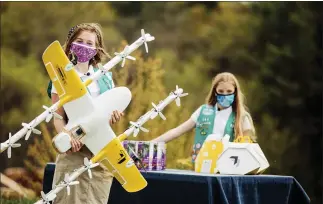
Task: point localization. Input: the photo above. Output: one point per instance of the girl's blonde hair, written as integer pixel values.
(91, 27)
(238, 105)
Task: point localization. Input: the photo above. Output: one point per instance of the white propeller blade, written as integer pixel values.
(11, 145)
(131, 58)
(125, 55)
(178, 100)
(30, 130)
(137, 128)
(67, 183)
(144, 129)
(157, 112)
(47, 199)
(51, 113)
(88, 165)
(162, 115)
(136, 131)
(144, 39)
(178, 93)
(123, 62)
(68, 189)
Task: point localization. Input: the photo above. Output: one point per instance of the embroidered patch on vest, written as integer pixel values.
(207, 111)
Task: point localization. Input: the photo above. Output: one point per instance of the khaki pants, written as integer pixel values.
(88, 191)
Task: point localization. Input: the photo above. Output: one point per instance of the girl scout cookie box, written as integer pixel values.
(152, 155)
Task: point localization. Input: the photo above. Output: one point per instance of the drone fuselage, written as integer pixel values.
(89, 119)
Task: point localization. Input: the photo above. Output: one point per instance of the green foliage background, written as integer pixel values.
(274, 48)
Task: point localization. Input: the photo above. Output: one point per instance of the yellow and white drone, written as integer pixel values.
(88, 118)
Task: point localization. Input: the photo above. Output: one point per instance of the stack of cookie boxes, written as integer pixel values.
(152, 154)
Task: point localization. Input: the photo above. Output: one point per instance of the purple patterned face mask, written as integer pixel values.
(84, 53)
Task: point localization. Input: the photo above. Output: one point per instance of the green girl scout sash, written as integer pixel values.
(204, 127)
(105, 83)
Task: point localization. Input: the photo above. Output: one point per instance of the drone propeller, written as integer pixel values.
(144, 39)
(51, 113)
(101, 68)
(67, 183)
(89, 165)
(30, 130)
(11, 145)
(178, 93)
(125, 55)
(47, 199)
(137, 128)
(156, 112)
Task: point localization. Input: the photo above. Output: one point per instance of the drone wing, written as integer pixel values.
(65, 79)
(106, 147)
(117, 160)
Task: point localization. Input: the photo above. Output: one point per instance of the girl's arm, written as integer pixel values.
(58, 123)
(176, 132)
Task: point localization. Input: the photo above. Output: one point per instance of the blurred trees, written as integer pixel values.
(23, 94)
(29, 27)
(287, 64)
(274, 48)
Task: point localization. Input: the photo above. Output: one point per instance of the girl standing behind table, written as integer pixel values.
(223, 114)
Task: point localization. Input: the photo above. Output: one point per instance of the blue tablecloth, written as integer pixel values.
(180, 186)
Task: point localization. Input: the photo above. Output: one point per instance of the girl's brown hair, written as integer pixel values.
(238, 105)
(91, 27)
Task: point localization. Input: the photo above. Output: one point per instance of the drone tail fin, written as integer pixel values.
(62, 73)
